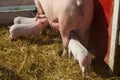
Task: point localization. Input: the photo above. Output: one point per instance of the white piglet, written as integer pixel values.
(18, 30)
(26, 20)
(23, 20)
(80, 53)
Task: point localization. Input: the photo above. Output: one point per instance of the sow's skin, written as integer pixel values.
(35, 28)
(68, 15)
(80, 53)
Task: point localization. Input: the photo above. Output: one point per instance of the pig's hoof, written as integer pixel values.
(11, 38)
(63, 55)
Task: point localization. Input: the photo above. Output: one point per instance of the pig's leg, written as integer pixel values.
(88, 64)
(65, 39)
(69, 52)
(39, 7)
(64, 34)
(36, 35)
(81, 63)
(88, 67)
(11, 37)
(65, 29)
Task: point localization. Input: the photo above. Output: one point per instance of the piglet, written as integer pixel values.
(23, 20)
(26, 20)
(80, 53)
(34, 28)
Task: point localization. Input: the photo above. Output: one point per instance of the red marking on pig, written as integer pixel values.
(41, 24)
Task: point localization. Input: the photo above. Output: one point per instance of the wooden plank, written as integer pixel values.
(7, 17)
(12, 8)
(15, 2)
(114, 34)
(16, 8)
(119, 38)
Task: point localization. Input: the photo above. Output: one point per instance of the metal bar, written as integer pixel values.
(16, 8)
(114, 34)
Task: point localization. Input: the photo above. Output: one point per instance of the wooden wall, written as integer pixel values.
(104, 33)
(7, 16)
(15, 2)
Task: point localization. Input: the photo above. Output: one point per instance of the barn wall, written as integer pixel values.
(9, 9)
(15, 2)
(117, 56)
(100, 31)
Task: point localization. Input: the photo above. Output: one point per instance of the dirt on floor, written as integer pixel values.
(27, 59)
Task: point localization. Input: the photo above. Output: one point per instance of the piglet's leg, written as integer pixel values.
(82, 68)
(69, 52)
(88, 67)
(36, 35)
(11, 37)
(89, 61)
